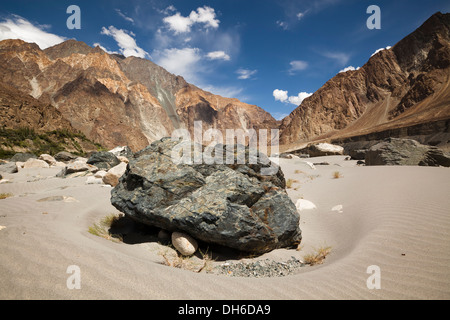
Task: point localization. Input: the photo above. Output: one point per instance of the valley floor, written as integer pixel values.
(391, 220)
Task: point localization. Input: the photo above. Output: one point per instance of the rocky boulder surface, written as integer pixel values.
(405, 152)
(103, 160)
(233, 205)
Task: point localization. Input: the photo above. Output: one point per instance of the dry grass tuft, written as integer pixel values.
(337, 175)
(289, 183)
(317, 257)
(5, 195)
(102, 228)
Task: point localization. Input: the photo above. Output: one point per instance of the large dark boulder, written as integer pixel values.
(103, 160)
(406, 152)
(234, 205)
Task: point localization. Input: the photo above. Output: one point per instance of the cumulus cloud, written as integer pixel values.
(349, 68)
(245, 73)
(381, 49)
(218, 55)
(182, 62)
(298, 99)
(282, 96)
(125, 41)
(297, 65)
(203, 15)
(17, 27)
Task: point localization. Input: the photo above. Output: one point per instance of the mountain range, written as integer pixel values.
(115, 101)
(402, 87)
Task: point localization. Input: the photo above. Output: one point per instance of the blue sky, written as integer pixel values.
(264, 52)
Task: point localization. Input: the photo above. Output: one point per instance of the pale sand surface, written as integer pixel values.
(397, 218)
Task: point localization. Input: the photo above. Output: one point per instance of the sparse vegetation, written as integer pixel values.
(289, 183)
(102, 228)
(337, 175)
(5, 195)
(317, 257)
(50, 142)
(192, 263)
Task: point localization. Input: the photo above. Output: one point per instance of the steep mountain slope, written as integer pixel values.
(116, 100)
(400, 87)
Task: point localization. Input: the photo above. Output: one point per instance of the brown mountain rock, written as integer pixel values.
(400, 87)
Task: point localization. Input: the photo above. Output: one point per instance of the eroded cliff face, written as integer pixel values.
(116, 100)
(403, 86)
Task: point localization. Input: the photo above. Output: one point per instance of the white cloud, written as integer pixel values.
(340, 57)
(124, 16)
(178, 23)
(245, 73)
(283, 24)
(17, 27)
(203, 15)
(182, 62)
(282, 96)
(218, 55)
(298, 99)
(104, 49)
(381, 49)
(297, 65)
(300, 15)
(349, 68)
(125, 41)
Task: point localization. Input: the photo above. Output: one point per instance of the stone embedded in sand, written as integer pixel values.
(35, 163)
(233, 205)
(338, 208)
(184, 243)
(303, 204)
(58, 198)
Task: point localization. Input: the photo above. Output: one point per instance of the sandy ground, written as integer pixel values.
(394, 218)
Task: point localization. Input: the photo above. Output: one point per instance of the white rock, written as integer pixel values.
(48, 158)
(100, 174)
(326, 147)
(2, 227)
(310, 164)
(113, 175)
(303, 204)
(35, 163)
(94, 180)
(339, 208)
(123, 159)
(185, 244)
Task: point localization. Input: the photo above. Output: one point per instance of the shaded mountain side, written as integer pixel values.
(116, 100)
(27, 125)
(400, 87)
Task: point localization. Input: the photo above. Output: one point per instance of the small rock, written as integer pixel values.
(94, 180)
(113, 175)
(185, 244)
(65, 156)
(303, 204)
(100, 174)
(103, 160)
(2, 227)
(35, 163)
(48, 158)
(338, 208)
(22, 157)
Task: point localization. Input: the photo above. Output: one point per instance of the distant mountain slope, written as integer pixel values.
(400, 87)
(116, 100)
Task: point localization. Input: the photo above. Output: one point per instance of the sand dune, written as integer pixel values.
(396, 218)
